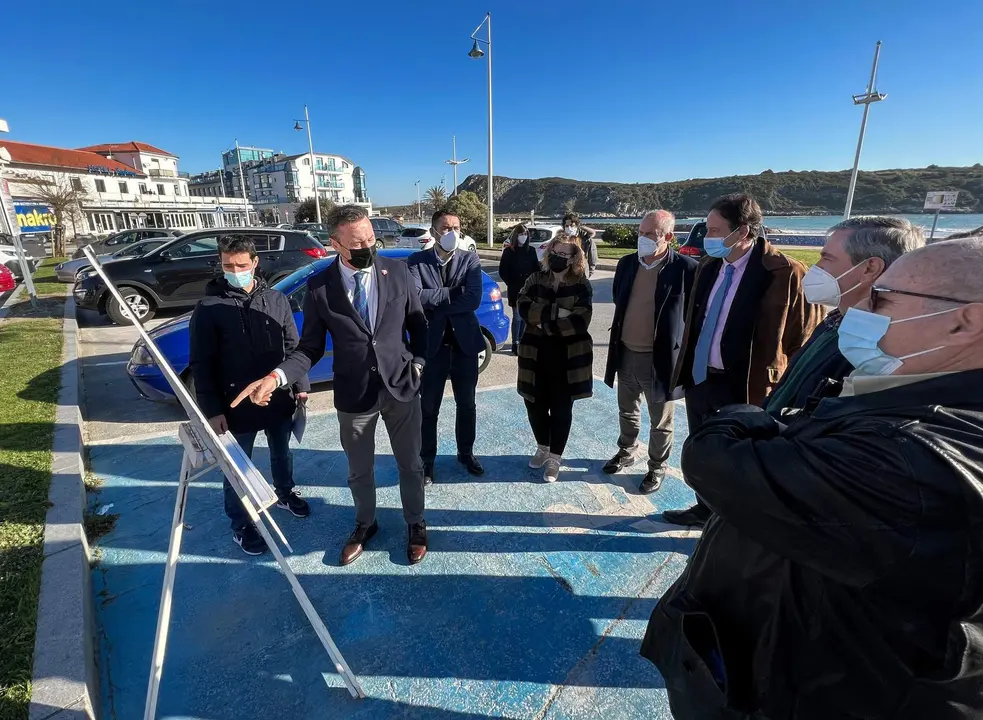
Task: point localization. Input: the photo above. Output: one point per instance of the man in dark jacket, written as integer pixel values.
(371, 308)
(449, 283)
(841, 575)
(651, 288)
(572, 227)
(519, 260)
(243, 329)
(856, 253)
(747, 316)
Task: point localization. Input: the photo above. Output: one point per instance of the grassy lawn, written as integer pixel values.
(804, 255)
(30, 354)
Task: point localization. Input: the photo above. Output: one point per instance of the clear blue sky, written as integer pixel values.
(623, 90)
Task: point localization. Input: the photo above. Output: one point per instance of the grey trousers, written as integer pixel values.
(634, 381)
(402, 420)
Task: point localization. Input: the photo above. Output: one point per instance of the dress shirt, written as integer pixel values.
(739, 266)
(440, 260)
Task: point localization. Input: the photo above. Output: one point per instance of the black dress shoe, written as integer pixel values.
(356, 542)
(471, 463)
(515, 348)
(652, 481)
(622, 459)
(695, 516)
(428, 473)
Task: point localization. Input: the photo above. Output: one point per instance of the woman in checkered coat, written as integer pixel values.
(556, 355)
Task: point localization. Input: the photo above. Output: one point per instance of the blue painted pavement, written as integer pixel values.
(531, 603)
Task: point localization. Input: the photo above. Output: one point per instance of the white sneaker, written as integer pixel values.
(552, 472)
(539, 459)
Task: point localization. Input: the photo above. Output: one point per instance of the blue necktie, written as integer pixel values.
(701, 357)
(360, 300)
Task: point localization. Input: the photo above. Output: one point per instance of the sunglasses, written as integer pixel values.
(878, 291)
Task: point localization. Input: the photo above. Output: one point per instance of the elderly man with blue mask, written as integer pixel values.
(842, 572)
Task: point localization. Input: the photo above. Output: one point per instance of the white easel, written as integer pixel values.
(204, 451)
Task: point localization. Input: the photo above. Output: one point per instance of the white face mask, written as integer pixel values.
(859, 336)
(646, 246)
(823, 289)
(571, 230)
(448, 241)
(523, 239)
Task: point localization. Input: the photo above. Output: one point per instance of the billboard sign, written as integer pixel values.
(941, 200)
(34, 218)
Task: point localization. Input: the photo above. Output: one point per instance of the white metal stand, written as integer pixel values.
(197, 462)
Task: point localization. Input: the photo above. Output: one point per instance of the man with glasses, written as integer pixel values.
(856, 254)
(841, 572)
(651, 288)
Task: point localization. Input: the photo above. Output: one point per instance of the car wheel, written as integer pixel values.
(14, 268)
(485, 356)
(472, 248)
(380, 244)
(140, 305)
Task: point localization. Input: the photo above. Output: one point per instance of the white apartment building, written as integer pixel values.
(277, 185)
(125, 185)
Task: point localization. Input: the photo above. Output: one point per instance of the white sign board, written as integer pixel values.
(941, 200)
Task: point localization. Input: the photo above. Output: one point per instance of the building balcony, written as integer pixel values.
(161, 172)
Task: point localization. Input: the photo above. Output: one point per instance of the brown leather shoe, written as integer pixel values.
(416, 547)
(356, 542)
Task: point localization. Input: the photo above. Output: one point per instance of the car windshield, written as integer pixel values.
(537, 235)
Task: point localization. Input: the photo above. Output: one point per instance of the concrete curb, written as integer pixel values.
(65, 684)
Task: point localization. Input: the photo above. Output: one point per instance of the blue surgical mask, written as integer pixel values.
(859, 333)
(717, 246)
(239, 279)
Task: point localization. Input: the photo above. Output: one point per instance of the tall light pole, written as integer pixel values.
(868, 98)
(476, 52)
(242, 183)
(310, 143)
(419, 211)
(454, 161)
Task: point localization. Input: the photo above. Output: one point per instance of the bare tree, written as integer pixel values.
(65, 202)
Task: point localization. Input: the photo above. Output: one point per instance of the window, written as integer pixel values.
(297, 298)
(76, 184)
(177, 189)
(195, 248)
(123, 189)
(307, 161)
(267, 243)
(160, 189)
(100, 185)
(143, 188)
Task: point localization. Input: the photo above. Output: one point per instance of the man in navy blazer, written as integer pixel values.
(369, 305)
(449, 283)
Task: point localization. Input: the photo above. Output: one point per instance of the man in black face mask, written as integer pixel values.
(366, 302)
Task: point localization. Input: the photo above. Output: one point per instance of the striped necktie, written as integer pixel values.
(360, 299)
(701, 357)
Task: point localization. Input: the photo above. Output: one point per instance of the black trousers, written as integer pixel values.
(705, 399)
(550, 420)
(463, 373)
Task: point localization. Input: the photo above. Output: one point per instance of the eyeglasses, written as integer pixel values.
(877, 291)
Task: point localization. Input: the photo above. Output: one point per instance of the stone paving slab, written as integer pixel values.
(531, 603)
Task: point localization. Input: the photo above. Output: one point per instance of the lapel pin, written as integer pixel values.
(385, 272)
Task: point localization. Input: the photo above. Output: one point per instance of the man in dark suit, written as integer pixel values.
(747, 316)
(449, 283)
(368, 304)
(651, 288)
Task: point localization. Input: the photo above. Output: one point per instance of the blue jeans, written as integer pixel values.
(518, 326)
(281, 466)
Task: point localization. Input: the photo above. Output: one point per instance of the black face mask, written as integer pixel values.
(558, 263)
(362, 257)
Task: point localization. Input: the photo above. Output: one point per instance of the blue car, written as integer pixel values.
(174, 341)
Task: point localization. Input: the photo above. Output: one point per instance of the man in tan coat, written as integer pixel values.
(747, 316)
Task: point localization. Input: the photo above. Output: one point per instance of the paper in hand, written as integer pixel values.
(300, 420)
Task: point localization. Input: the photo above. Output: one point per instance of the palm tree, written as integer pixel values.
(436, 197)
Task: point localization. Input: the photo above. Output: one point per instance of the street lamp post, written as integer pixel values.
(476, 52)
(419, 210)
(310, 143)
(454, 161)
(868, 98)
(242, 184)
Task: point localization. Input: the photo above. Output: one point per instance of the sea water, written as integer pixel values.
(820, 223)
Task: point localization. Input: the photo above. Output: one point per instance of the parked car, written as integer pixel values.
(387, 231)
(126, 237)
(317, 230)
(72, 270)
(416, 238)
(692, 245)
(175, 274)
(539, 235)
(7, 281)
(174, 341)
(8, 259)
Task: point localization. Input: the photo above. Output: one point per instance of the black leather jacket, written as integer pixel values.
(842, 576)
